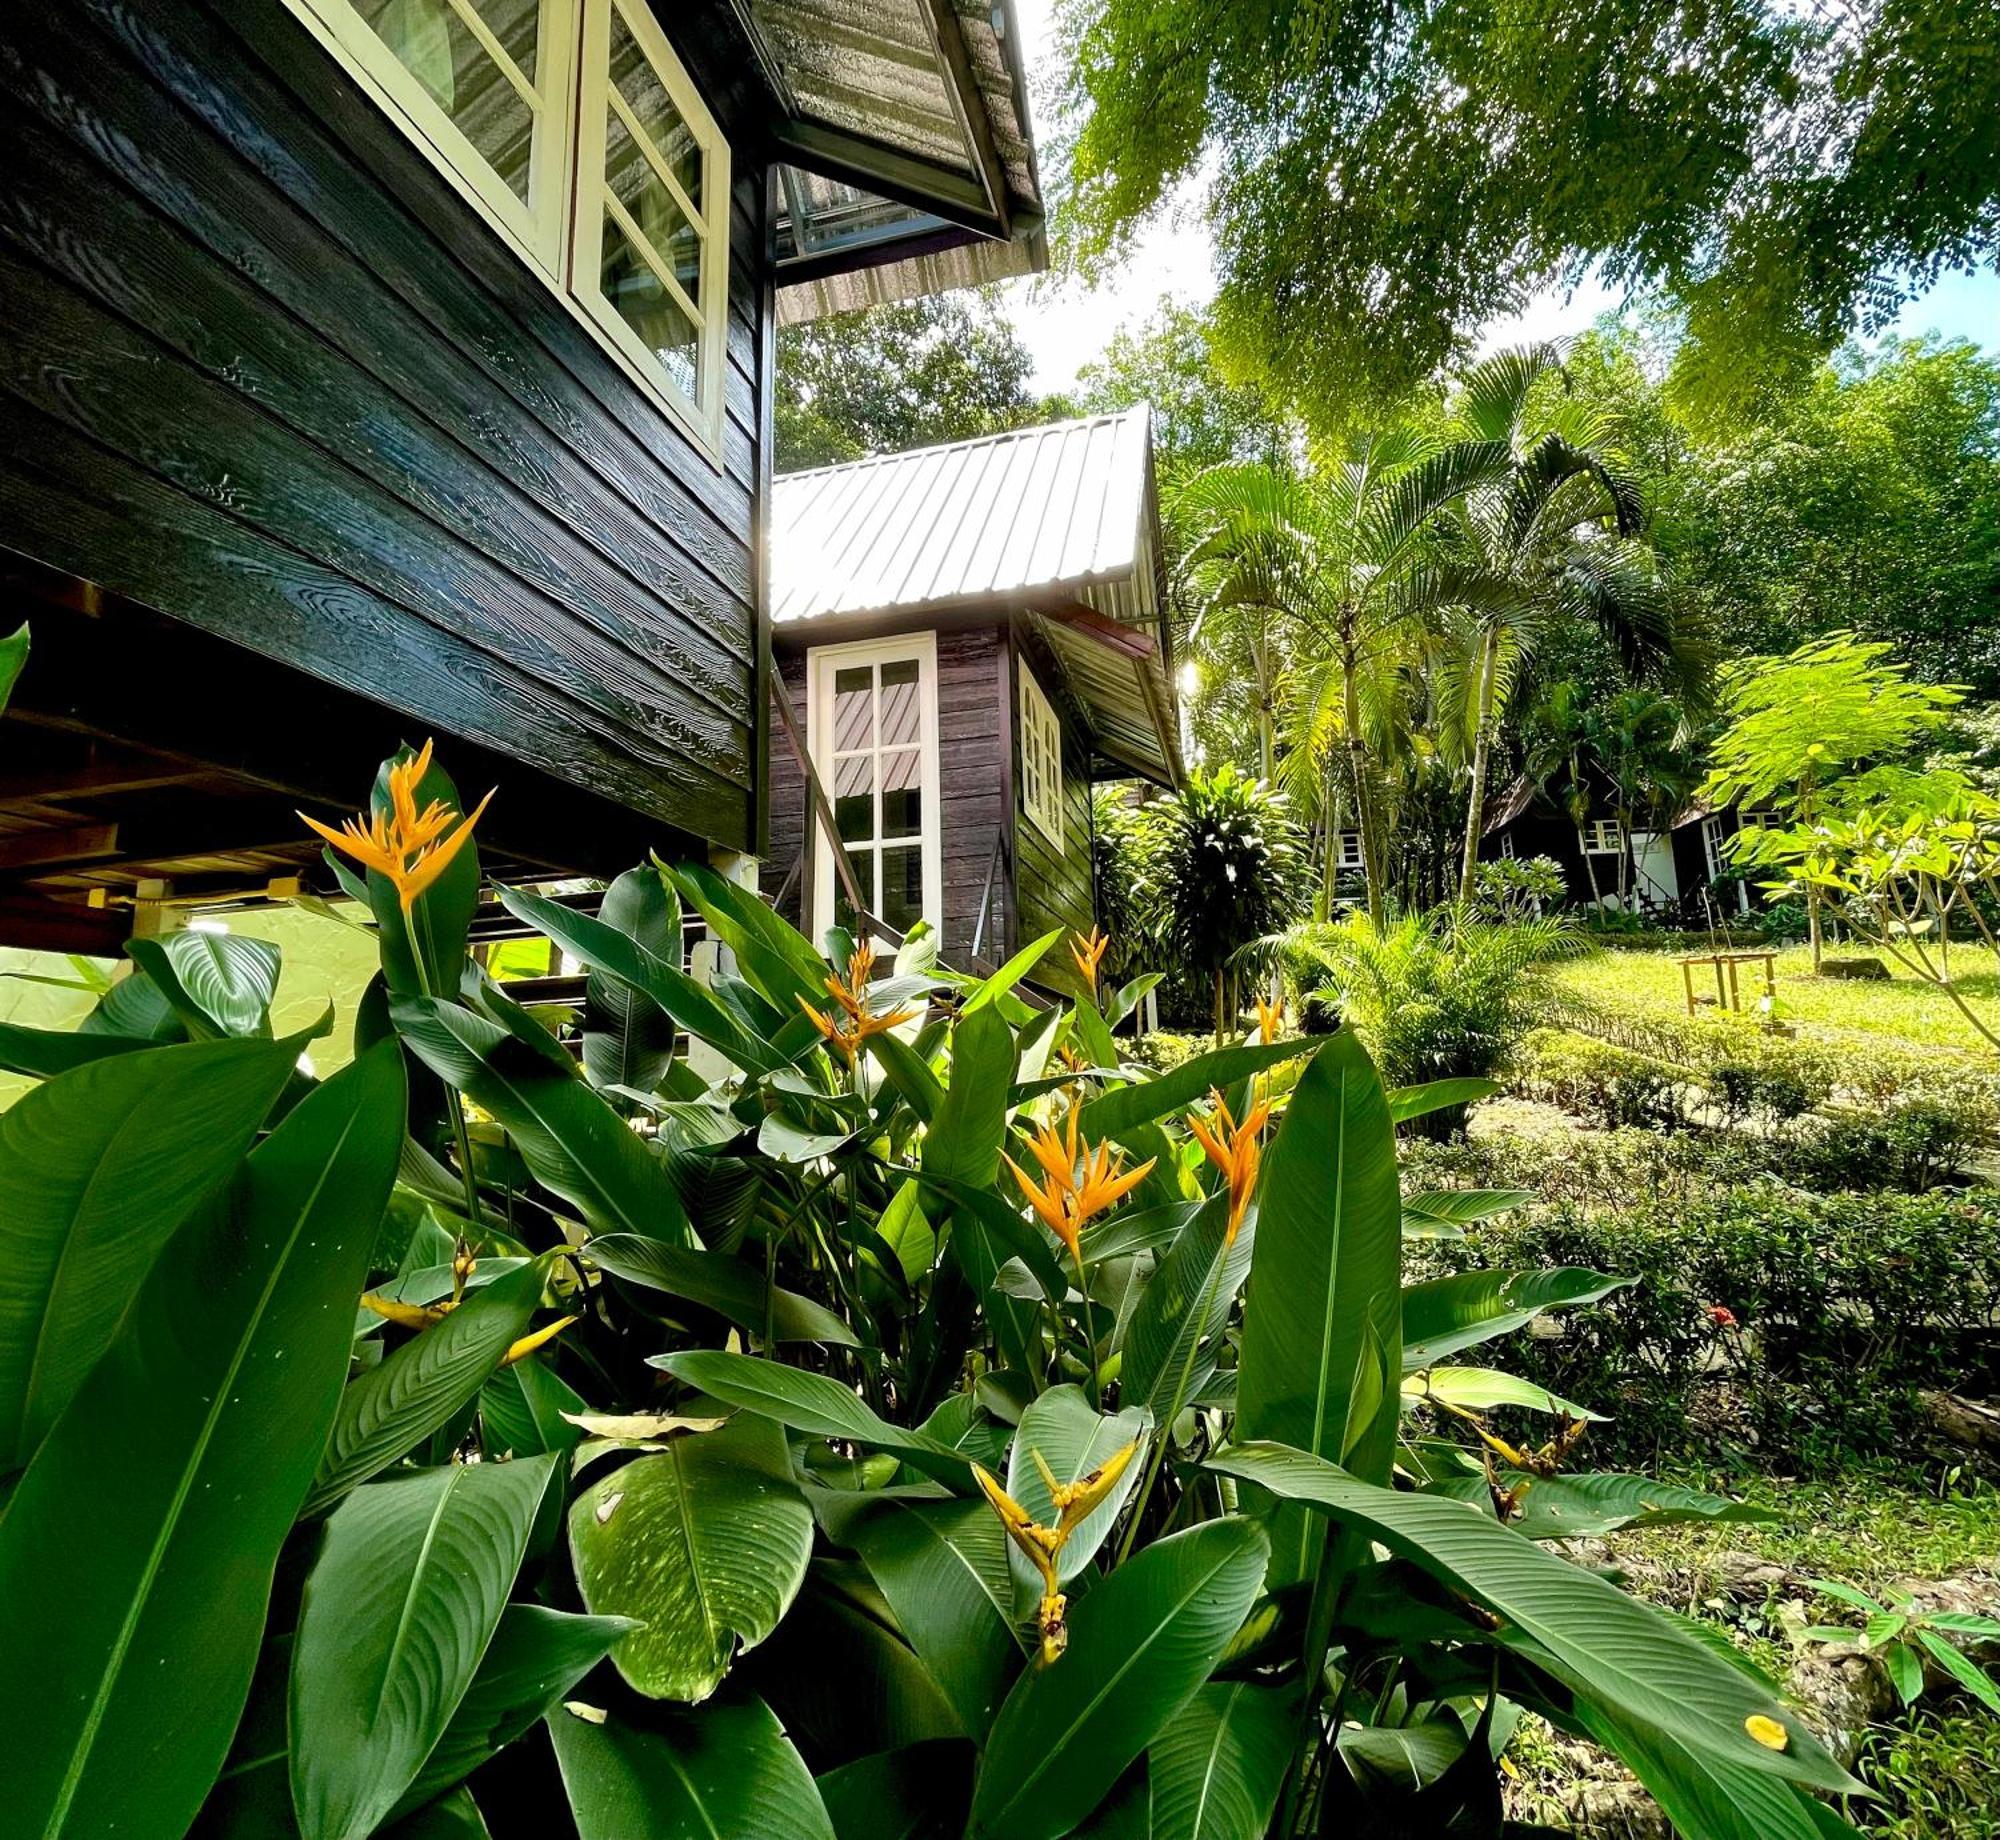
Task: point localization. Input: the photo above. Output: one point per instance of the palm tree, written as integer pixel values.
(1643, 746)
(1562, 758)
(1554, 533)
(1335, 566)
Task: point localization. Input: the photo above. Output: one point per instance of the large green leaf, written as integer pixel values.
(778, 960)
(1320, 1326)
(628, 1038)
(1112, 1114)
(720, 1283)
(134, 1009)
(942, 1566)
(451, 1817)
(1443, 1315)
(1599, 1640)
(705, 1543)
(521, 1412)
(1140, 1642)
(13, 658)
(571, 1140)
(535, 1658)
(1408, 1102)
(1461, 1207)
(137, 1553)
(1219, 1763)
(993, 988)
(1184, 1308)
(391, 1407)
(727, 1772)
(1584, 1506)
(97, 1169)
(963, 1142)
(217, 983)
(408, 1586)
(43, 1053)
(918, 1792)
(1073, 1438)
(614, 949)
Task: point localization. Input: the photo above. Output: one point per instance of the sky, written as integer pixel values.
(1065, 326)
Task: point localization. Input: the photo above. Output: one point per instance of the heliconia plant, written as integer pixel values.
(917, 1422)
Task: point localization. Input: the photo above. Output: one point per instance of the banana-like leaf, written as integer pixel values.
(521, 1412)
(97, 1169)
(1112, 1114)
(1324, 1283)
(1707, 1798)
(571, 1140)
(1184, 1309)
(41, 1054)
(1408, 1102)
(1464, 1207)
(410, 1580)
(1141, 1641)
(777, 959)
(704, 1543)
(137, 1553)
(451, 1817)
(13, 659)
(1073, 1438)
(1218, 1764)
(535, 1658)
(1597, 1639)
(615, 951)
(992, 989)
(1443, 1315)
(942, 1566)
(720, 1283)
(725, 1773)
(963, 1142)
(1480, 1389)
(917, 1792)
(134, 1009)
(628, 1038)
(1599, 1502)
(388, 1409)
(217, 983)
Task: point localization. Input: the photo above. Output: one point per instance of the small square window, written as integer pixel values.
(1041, 762)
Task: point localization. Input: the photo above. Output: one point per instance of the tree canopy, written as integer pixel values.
(1384, 179)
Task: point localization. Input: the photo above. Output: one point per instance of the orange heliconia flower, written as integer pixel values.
(1089, 954)
(1270, 1019)
(1065, 1201)
(411, 847)
(1233, 1148)
(851, 1024)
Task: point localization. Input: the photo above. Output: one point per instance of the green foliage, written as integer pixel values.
(1904, 1635)
(13, 660)
(282, 1564)
(1762, 169)
(888, 378)
(1511, 888)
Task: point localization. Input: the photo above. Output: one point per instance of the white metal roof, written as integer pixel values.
(1042, 509)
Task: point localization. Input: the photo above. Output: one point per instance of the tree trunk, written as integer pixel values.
(1267, 756)
(1218, 1005)
(1357, 760)
(1590, 875)
(1475, 804)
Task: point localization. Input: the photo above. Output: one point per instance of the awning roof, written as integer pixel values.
(907, 160)
(1057, 523)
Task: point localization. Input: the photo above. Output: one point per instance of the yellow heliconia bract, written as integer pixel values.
(411, 847)
(1235, 1149)
(540, 1338)
(852, 1024)
(1063, 1200)
(1089, 951)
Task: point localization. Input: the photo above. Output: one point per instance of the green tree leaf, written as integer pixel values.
(705, 1543)
(97, 1169)
(403, 1598)
(917, 1792)
(726, 1772)
(571, 1140)
(1219, 1762)
(216, 983)
(1170, 1325)
(1443, 1315)
(1623, 1653)
(1140, 1642)
(137, 1553)
(1073, 1438)
(1112, 1114)
(387, 1409)
(721, 1283)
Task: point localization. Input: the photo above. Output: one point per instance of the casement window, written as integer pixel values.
(1041, 762)
(1601, 837)
(872, 732)
(1712, 838)
(573, 129)
(1348, 851)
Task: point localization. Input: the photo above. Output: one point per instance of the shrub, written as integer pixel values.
(1804, 1326)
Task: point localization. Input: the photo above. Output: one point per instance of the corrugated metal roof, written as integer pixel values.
(1031, 512)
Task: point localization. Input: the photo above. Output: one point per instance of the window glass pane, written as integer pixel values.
(661, 221)
(645, 305)
(903, 809)
(441, 51)
(900, 718)
(863, 863)
(902, 887)
(853, 699)
(649, 102)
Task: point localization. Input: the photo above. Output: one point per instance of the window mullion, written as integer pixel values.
(495, 50)
(651, 257)
(657, 161)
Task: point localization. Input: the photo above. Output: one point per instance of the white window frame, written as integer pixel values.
(1347, 853)
(1601, 837)
(558, 232)
(1041, 761)
(823, 664)
(1712, 839)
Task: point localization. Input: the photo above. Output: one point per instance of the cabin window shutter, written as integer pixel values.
(1041, 762)
(574, 131)
(1601, 837)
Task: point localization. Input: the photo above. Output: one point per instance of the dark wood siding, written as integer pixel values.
(265, 371)
(972, 689)
(1055, 887)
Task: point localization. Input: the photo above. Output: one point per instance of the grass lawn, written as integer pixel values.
(1912, 1012)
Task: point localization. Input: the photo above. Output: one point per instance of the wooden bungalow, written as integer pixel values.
(379, 368)
(968, 637)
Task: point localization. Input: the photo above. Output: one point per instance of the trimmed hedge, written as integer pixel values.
(1799, 1327)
